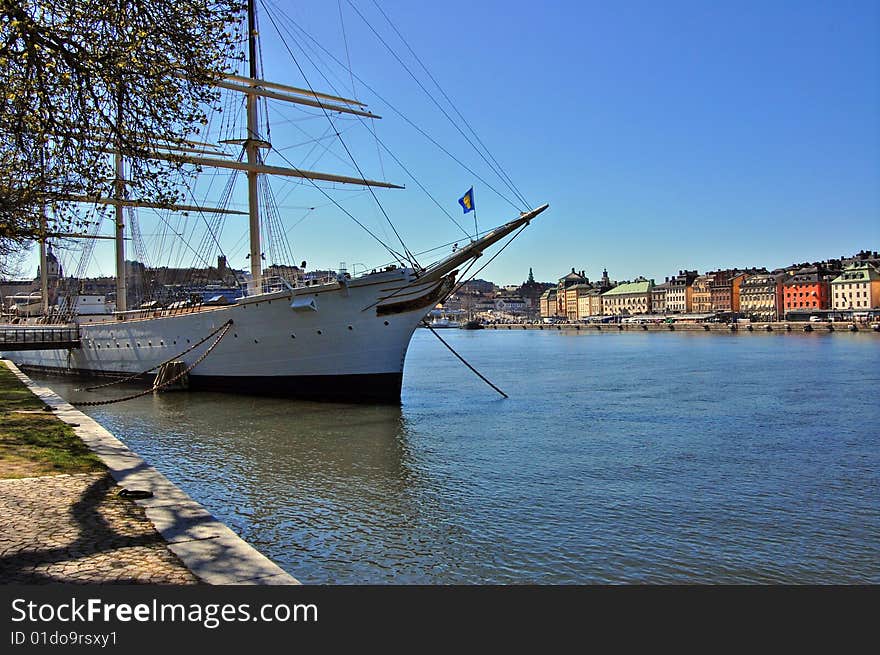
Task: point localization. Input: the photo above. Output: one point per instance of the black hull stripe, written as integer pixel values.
(379, 388)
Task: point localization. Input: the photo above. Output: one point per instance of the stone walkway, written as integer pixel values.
(76, 529)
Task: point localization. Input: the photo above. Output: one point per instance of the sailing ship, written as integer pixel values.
(344, 337)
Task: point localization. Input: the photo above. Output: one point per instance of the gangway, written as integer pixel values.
(38, 337)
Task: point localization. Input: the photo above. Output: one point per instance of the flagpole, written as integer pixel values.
(474, 205)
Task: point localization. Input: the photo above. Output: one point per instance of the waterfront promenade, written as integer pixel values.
(110, 519)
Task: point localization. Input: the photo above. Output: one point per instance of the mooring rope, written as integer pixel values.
(94, 403)
(463, 361)
(177, 356)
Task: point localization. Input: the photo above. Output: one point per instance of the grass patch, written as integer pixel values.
(14, 395)
(36, 444)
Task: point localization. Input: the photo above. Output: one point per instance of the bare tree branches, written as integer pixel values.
(81, 78)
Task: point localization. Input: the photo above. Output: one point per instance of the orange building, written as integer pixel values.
(725, 289)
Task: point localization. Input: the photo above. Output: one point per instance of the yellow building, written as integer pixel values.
(857, 288)
(628, 299)
(701, 294)
(679, 296)
(547, 303)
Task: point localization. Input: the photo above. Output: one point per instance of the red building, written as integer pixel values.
(809, 288)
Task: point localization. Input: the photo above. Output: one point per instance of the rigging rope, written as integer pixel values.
(409, 256)
(388, 103)
(500, 172)
(463, 360)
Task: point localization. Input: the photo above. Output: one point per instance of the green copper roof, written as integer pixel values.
(629, 287)
(857, 273)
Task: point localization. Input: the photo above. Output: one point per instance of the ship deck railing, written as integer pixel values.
(38, 337)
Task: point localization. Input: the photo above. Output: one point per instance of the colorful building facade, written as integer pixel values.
(856, 288)
(679, 296)
(808, 288)
(628, 299)
(760, 296)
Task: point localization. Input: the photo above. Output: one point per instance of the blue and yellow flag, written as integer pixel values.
(467, 201)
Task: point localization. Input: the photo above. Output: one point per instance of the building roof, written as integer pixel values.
(643, 286)
(810, 275)
(549, 293)
(857, 273)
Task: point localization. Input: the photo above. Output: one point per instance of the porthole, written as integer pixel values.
(350, 328)
(255, 341)
(293, 336)
(386, 322)
(233, 334)
(319, 332)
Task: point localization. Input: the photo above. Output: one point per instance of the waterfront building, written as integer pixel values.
(725, 289)
(701, 294)
(574, 297)
(628, 298)
(679, 296)
(594, 299)
(484, 306)
(571, 302)
(760, 296)
(857, 288)
(808, 288)
(565, 302)
(562, 298)
(547, 303)
(511, 305)
(583, 303)
(658, 297)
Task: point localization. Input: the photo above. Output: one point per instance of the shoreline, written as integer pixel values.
(779, 327)
(211, 551)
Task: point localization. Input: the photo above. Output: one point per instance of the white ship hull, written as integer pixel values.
(344, 340)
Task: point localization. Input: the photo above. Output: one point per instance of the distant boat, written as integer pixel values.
(473, 325)
(444, 322)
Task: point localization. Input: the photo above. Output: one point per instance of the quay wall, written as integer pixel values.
(210, 549)
(819, 327)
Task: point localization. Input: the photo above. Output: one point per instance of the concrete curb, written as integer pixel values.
(207, 547)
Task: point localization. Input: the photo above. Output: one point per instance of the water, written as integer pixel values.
(630, 457)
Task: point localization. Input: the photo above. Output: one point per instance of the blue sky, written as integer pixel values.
(664, 135)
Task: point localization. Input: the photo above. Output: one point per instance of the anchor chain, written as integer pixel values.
(167, 361)
(94, 403)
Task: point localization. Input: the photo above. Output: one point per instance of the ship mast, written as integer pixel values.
(44, 261)
(252, 148)
(121, 291)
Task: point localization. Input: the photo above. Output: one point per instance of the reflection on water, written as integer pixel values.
(618, 458)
